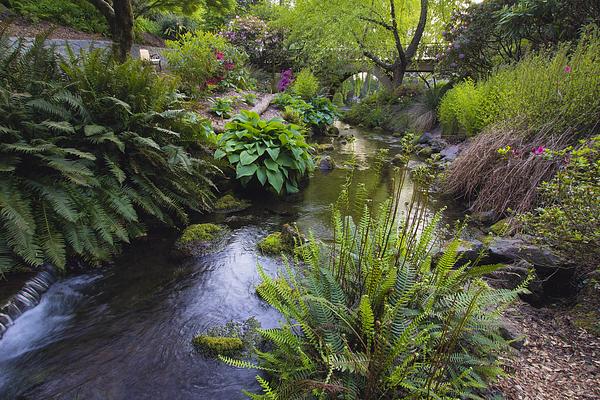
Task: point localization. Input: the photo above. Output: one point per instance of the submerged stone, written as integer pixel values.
(326, 163)
(216, 345)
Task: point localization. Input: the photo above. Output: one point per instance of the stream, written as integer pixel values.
(125, 332)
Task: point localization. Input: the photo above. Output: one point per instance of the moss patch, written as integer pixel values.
(200, 233)
(501, 228)
(229, 203)
(273, 244)
(214, 345)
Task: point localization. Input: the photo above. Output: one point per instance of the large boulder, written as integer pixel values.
(450, 153)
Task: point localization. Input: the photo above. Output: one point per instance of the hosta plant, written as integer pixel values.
(373, 316)
(268, 152)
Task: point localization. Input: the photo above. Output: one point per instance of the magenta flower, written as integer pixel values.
(220, 56)
(229, 66)
(568, 69)
(538, 150)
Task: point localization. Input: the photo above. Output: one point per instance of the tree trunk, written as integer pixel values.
(119, 16)
(122, 29)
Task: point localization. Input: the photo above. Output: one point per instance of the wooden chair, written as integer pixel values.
(153, 59)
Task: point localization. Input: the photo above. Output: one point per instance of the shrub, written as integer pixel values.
(87, 152)
(318, 113)
(568, 218)
(373, 318)
(267, 152)
(78, 14)
(561, 89)
(306, 85)
(171, 26)
(250, 99)
(263, 43)
(143, 25)
(203, 60)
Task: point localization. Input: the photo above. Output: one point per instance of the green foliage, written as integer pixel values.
(78, 14)
(382, 110)
(204, 60)
(267, 152)
(568, 218)
(143, 25)
(250, 99)
(561, 89)
(222, 107)
(338, 99)
(306, 85)
(372, 317)
(171, 25)
(87, 152)
(319, 113)
(200, 233)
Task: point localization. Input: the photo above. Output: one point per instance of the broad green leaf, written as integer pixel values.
(247, 158)
(245, 170)
(275, 180)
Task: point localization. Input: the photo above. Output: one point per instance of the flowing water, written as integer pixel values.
(125, 332)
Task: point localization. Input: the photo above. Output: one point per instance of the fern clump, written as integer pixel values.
(88, 155)
(373, 317)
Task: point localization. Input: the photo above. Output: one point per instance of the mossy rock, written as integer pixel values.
(216, 345)
(229, 203)
(274, 244)
(502, 227)
(198, 239)
(324, 147)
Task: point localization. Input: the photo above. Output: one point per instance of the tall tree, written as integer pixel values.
(385, 34)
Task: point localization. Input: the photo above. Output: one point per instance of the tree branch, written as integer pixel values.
(377, 22)
(399, 46)
(105, 9)
(412, 48)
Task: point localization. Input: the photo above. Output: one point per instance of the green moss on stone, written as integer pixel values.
(218, 345)
(501, 228)
(200, 233)
(229, 203)
(273, 244)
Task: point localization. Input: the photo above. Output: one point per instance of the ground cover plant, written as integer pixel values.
(317, 114)
(270, 153)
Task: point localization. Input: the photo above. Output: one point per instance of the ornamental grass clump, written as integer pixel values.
(372, 316)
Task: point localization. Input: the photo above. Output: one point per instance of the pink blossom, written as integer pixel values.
(229, 66)
(538, 150)
(220, 56)
(568, 69)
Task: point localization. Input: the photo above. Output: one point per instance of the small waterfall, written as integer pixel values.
(28, 297)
